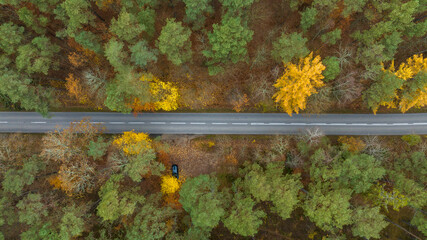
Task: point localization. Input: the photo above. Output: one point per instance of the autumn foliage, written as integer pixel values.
(170, 188)
(163, 95)
(133, 143)
(353, 144)
(407, 71)
(68, 148)
(298, 82)
(75, 89)
(170, 184)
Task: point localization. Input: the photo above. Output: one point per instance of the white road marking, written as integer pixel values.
(197, 123)
(338, 124)
(38, 122)
(136, 122)
(298, 123)
(257, 123)
(219, 123)
(379, 124)
(277, 124)
(98, 122)
(178, 123)
(116, 122)
(359, 124)
(3, 122)
(419, 123)
(157, 122)
(239, 123)
(399, 124)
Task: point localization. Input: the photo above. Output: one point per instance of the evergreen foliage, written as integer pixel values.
(235, 7)
(332, 69)
(115, 54)
(289, 47)
(419, 220)
(383, 91)
(331, 37)
(89, 40)
(151, 221)
(199, 197)
(243, 220)
(368, 222)
(75, 14)
(147, 18)
(19, 89)
(271, 185)
(174, 41)
(195, 11)
(126, 26)
(37, 56)
(72, 223)
(308, 18)
(97, 149)
(119, 93)
(142, 164)
(141, 54)
(328, 208)
(228, 43)
(11, 37)
(16, 179)
(115, 203)
(28, 17)
(31, 209)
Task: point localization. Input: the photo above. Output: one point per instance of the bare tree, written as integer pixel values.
(312, 135)
(374, 148)
(344, 54)
(347, 89)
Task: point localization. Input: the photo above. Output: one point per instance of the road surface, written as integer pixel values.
(222, 123)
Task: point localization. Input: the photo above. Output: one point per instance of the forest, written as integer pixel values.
(135, 56)
(313, 56)
(79, 183)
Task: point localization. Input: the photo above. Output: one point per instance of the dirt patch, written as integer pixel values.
(191, 161)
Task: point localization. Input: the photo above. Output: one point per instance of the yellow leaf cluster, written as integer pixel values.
(165, 94)
(409, 69)
(406, 71)
(133, 143)
(353, 144)
(385, 198)
(298, 82)
(170, 184)
(75, 89)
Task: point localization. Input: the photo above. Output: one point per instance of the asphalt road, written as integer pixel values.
(222, 123)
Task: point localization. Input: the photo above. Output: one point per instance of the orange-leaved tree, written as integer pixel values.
(75, 89)
(298, 82)
(413, 92)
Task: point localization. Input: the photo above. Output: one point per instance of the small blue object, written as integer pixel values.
(175, 171)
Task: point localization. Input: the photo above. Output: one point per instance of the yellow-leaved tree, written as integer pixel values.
(170, 184)
(132, 143)
(137, 157)
(163, 96)
(298, 82)
(413, 92)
